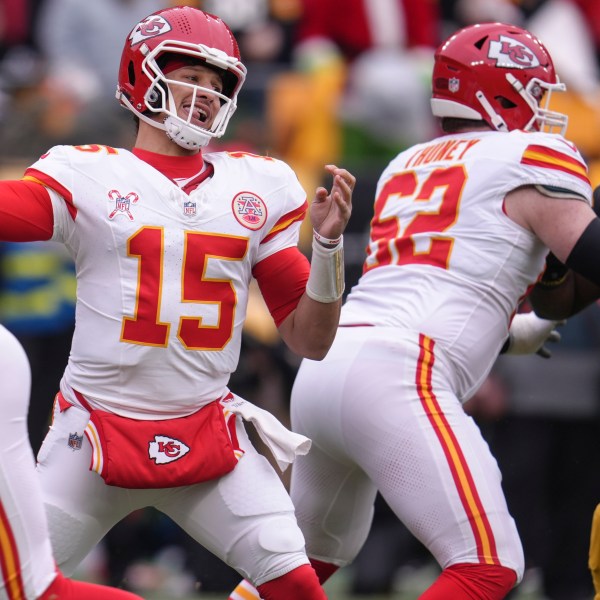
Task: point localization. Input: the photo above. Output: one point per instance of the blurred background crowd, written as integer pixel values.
(342, 81)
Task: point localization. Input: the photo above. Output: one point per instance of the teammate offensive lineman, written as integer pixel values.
(166, 240)
(27, 568)
(460, 232)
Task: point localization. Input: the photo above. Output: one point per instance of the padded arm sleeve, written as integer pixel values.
(25, 212)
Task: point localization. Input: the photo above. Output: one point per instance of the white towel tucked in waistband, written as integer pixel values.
(284, 444)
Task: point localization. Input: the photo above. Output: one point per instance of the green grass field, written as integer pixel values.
(164, 578)
(409, 588)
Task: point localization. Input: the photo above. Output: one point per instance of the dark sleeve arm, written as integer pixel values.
(584, 258)
(25, 212)
(566, 289)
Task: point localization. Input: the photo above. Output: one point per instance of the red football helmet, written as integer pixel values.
(499, 73)
(192, 35)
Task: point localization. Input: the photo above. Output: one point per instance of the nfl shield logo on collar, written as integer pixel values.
(189, 208)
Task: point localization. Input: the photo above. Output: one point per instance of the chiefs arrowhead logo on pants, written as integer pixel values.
(165, 449)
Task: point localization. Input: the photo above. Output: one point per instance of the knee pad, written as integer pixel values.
(281, 534)
(268, 549)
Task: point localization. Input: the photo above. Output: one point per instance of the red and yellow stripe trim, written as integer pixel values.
(45, 179)
(10, 565)
(541, 156)
(463, 479)
(286, 221)
(97, 463)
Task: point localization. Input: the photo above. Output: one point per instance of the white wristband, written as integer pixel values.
(326, 241)
(326, 279)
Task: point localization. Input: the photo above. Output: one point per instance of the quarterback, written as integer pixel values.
(460, 232)
(166, 239)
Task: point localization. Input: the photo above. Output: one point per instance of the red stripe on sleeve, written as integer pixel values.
(550, 153)
(61, 190)
(287, 220)
(541, 156)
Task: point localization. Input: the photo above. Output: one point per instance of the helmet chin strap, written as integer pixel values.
(497, 121)
(185, 136)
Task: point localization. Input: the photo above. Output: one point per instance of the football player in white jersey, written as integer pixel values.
(27, 567)
(166, 240)
(461, 228)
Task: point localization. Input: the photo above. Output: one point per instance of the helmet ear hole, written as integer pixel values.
(505, 102)
(131, 72)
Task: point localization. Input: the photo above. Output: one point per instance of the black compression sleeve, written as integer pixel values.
(585, 256)
(596, 204)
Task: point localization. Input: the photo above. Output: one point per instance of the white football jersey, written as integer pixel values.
(443, 258)
(163, 276)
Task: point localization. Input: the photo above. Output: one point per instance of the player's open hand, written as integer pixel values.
(330, 211)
